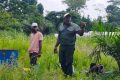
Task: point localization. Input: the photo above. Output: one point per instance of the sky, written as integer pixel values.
(94, 8)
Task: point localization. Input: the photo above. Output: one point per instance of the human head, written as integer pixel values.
(67, 18)
(34, 27)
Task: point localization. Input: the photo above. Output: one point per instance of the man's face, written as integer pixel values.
(34, 29)
(67, 19)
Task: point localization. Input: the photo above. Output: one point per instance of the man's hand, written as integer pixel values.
(38, 55)
(55, 50)
(82, 25)
(29, 50)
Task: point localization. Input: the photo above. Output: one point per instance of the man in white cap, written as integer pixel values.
(66, 40)
(36, 38)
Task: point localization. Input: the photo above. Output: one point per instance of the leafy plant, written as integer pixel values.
(107, 42)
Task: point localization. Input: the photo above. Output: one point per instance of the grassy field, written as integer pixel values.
(49, 67)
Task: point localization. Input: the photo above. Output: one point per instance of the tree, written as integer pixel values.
(7, 22)
(23, 12)
(16, 7)
(1, 1)
(30, 2)
(113, 13)
(19, 8)
(75, 5)
(40, 8)
(44, 25)
(55, 17)
(115, 2)
(4, 3)
(76, 17)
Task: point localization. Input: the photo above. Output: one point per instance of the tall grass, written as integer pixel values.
(49, 67)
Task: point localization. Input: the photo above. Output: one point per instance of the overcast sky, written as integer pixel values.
(94, 8)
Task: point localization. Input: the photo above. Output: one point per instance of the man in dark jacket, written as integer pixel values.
(66, 40)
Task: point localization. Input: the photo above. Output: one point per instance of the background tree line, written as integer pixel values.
(19, 14)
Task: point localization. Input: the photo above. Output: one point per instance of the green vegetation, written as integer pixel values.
(75, 5)
(20, 14)
(49, 67)
(16, 17)
(107, 42)
(113, 13)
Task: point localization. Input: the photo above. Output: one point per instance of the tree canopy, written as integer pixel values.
(21, 13)
(75, 5)
(113, 12)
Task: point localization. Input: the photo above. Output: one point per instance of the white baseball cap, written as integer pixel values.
(67, 14)
(34, 24)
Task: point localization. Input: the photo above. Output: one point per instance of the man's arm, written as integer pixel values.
(81, 32)
(57, 44)
(82, 26)
(40, 48)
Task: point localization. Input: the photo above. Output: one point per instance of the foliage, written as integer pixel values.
(25, 12)
(30, 2)
(115, 2)
(7, 22)
(113, 12)
(76, 17)
(40, 8)
(45, 26)
(107, 43)
(75, 5)
(48, 67)
(55, 17)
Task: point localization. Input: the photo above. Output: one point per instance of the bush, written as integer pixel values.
(7, 22)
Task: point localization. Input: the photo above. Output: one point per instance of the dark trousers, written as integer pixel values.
(66, 59)
(33, 58)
